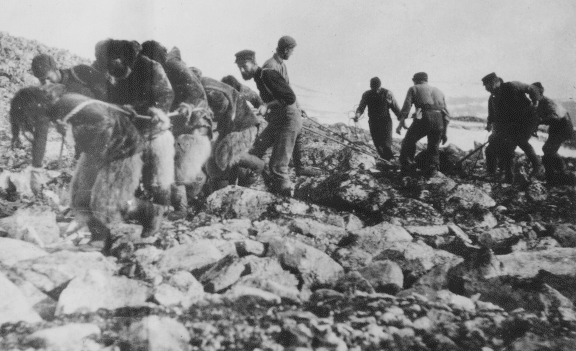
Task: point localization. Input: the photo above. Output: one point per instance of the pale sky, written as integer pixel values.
(341, 44)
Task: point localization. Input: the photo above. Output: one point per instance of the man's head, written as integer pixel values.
(539, 86)
(491, 82)
(45, 69)
(375, 83)
(120, 57)
(246, 61)
(420, 77)
(285, 47)
(154, 51)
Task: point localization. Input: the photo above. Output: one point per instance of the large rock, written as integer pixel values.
(415, 258)
(35, 225)
(67, 337)
(352, 258)
(223, 274)
(565, 234)
(315, 267)
(95, 289)
(223, 230)
(384, 276)
(411, 212)
(189, 257)
(376, 238)
(320, 231)
(472, 195)
(267, 274)
(155, 333)
(239, 202)
(13, 250)
(500, 237)
(558, 261)
(14, 307)
(50, 273)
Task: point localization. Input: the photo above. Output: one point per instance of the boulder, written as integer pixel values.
(374, 239)
(223, 274)
(13, 250)
(36, 225)
(315, 268)
(415, 258)
(238, 202)
(14, 307)
(384, 276)
(189, 257)
(565, 234)
(472, 195)
(167, 295)
(267, 274)
(95, 290)
(411, 212)
(250, 247)
(352, 258)
(67, 337)
(154, 333)
(240, 293)
(437, 188)
(352, 282)
(500, 237)
(306, 226)
(52, 272)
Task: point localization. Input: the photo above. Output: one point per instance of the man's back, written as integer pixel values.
(278, 65)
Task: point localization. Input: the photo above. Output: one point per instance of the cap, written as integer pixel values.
(489, 78)
(42, 64)
(245, 55)
(286, 42)
(420, 76)
(375, 82)
(539, 86)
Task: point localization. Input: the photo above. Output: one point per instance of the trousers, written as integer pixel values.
(431, 125)
(381, 131)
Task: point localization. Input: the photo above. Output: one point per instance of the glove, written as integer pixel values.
(37, 180)
(263, 109)
(355, 119)
(444, 138)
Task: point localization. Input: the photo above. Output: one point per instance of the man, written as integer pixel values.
(431, 120)
(284, 50)
(496, 141)
(285, 121)
(560, 129)
(80, 79)
(379, 102)
(516, 120)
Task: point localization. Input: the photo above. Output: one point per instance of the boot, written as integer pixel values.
(153, 220)
(179, 202)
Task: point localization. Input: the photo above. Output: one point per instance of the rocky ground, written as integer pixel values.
(359, 259)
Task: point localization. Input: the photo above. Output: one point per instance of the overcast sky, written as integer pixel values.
(341, 44)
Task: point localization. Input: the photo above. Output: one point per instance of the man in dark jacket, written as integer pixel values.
(431, 120)
(560, 129)
(379, 102)
(285, 121)
(516, 119)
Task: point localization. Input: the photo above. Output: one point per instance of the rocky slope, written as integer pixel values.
(358, 260)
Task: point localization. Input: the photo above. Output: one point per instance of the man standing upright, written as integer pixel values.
(284, 50)
(431, 120)
(517, 120)
(285, 121)
(379, 102)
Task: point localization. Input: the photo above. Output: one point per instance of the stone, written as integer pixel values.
(500, 237)
(457, 302)
(565, 234)
(223, 274)
(315, 267)
(385, 276)
(352, 282)
(312, 228)
(239, 202)
(352, 222)
(36, 225)
(250, 247)
(558, 261)
(14, 307)
(472, 195)
(431, 230)
(352, 258)
(154, 333)
(240, 293)
(267, 274)
(411, 212)
(67, 337)
(14, 250)
(374, 239)
(95, 290)
(189, 257)
(415, 258)
(167, 295)
(51, 272)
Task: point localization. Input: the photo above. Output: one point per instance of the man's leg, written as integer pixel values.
(387, 152)
(435, 131)
(417, 130)
(553, 163)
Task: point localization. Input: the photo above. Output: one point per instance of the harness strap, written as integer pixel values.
(75, 75)
(77, 109)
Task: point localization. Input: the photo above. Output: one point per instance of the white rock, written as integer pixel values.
(155, 333)
(13, 304)
(13, 250)
(35, 225)
(68, 337)
(239, 291)
(189, 257)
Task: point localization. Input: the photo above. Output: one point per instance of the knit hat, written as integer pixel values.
(375, 83)
(492, 77)
(539, 86)
(420, 76)
(286, 42)
(245, 55)
(42, 64)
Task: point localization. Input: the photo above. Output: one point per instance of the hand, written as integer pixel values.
(61, 128)
(400, 126)
(158, 117)
(489, 127)
(444, 138)
(355, 119)
(185, 110)
(263, 109)
(130, 109)
(37, 180)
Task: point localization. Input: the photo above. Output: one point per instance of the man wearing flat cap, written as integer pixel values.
(379, 102)
(514, 116)
(284, 50)
(431, 120)
(284, 120)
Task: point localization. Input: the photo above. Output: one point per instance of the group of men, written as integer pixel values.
(515, 111)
